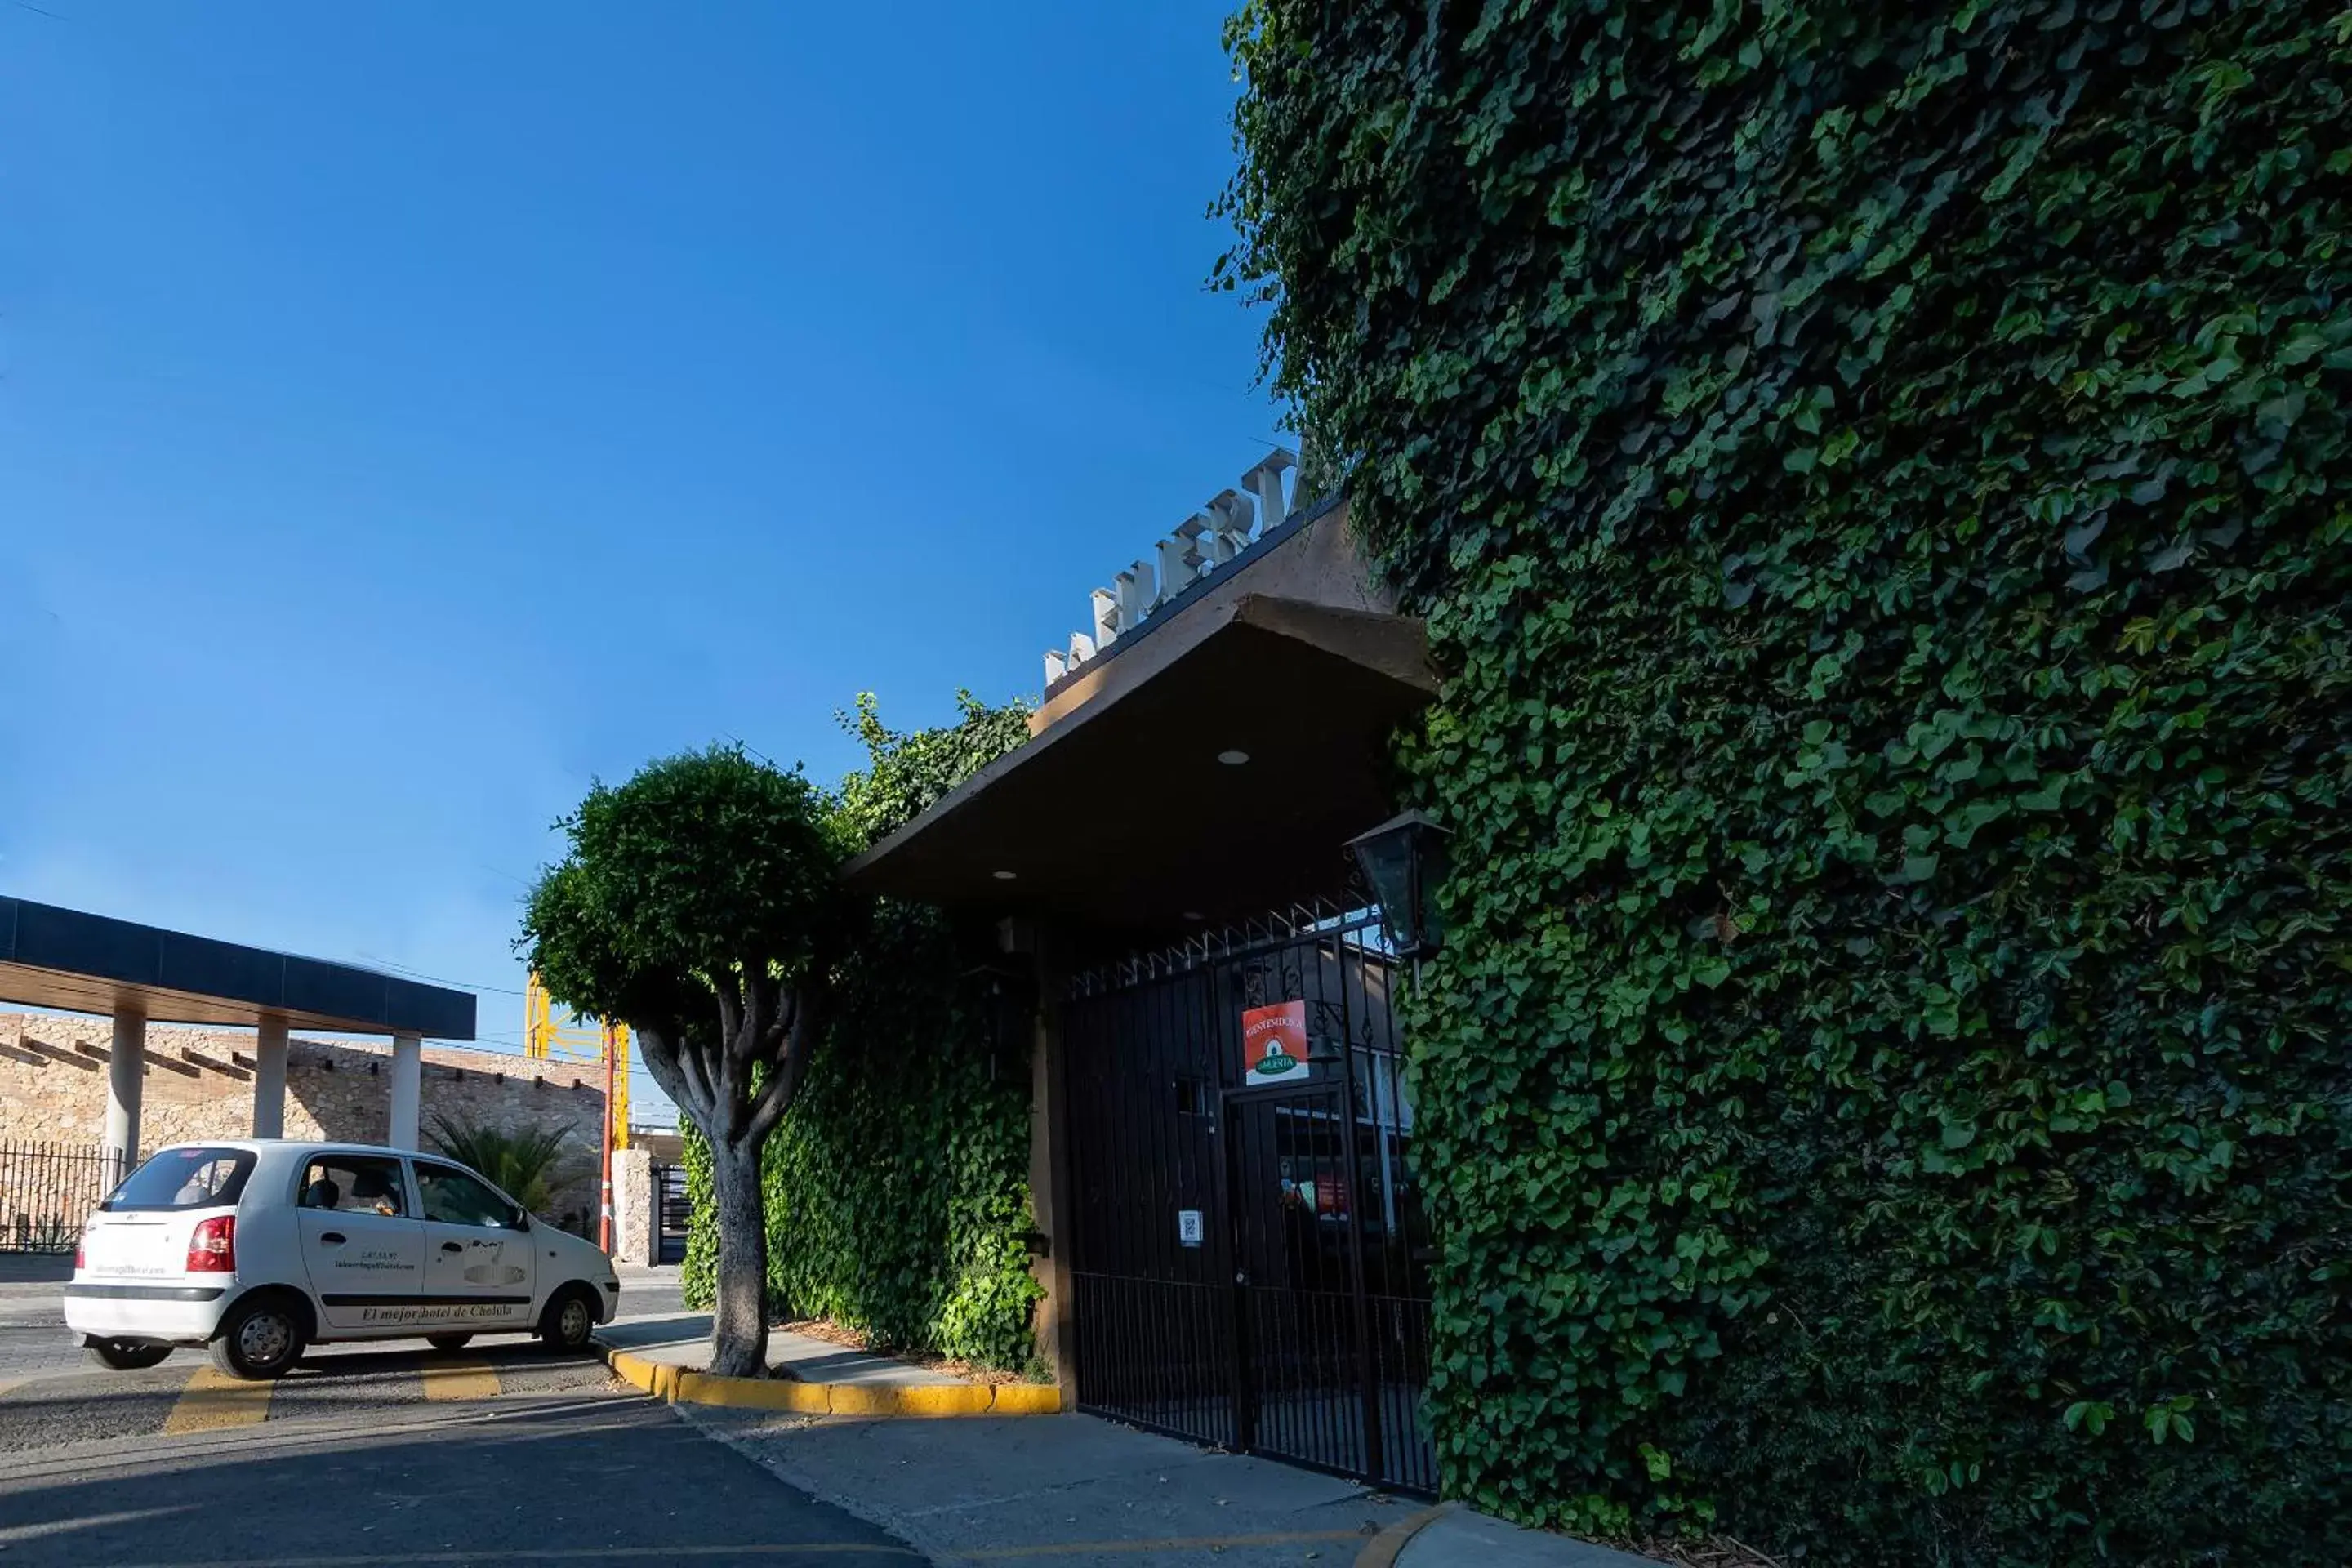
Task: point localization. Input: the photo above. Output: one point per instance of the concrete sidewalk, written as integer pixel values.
(1072, 1489)
(1455, 1537)
(984, 1487)
(1079, 1490)
(684, 1340)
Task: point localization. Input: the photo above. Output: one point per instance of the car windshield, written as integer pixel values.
(184, 1179)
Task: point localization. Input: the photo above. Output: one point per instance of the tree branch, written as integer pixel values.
(730, 1013)
(659, 1050)
(776, 1095)
(699, 1079)
(787, 1012)
(747, 1031)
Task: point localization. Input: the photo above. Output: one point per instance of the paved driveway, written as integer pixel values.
(599, 1478)
(367, 1455)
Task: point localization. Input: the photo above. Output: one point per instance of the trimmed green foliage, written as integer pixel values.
(700, 903)
(1876, 477)
(701, 869)
(898, 1185)
(530, 1166)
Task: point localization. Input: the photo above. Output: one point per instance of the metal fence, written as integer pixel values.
(673, 1214)
(47, 1190)
(1249, 1264)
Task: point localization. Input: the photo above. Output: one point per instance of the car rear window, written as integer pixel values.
(184, 1179)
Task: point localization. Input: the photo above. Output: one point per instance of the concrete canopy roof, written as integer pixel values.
(52, 957)
(1121, 810)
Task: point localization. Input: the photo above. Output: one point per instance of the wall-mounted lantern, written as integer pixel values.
(1404, 859)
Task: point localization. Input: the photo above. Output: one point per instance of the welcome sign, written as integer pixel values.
(1274, 1042)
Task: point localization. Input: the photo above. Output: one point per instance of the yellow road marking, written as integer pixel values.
(7, 1383)
(214, 1399)
(455, 1378)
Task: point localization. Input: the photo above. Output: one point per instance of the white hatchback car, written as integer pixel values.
(257, 1248)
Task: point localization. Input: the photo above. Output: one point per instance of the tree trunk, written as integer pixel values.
(739, 1322)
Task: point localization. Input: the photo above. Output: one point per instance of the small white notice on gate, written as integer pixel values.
(1188, 1227)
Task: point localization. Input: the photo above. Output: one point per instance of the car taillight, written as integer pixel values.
(79, 1264)
(213, 1248)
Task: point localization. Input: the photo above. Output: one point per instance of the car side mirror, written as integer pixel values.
(522, 1219)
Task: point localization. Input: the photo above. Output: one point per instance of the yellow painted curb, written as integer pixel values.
(1382, 1549)
(684, 1385)
(937, 1399)
(1027, 1399)
(751, 1394)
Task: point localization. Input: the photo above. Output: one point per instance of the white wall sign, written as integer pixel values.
(1203, 542)
(1188, 1227)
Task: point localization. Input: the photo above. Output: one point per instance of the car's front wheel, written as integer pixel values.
(448, 1342)
(261, 1338)
(125, 1355)
(568, 1320)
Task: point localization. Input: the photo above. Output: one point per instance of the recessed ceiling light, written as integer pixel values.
(1189, 915)
(1004, 876)
(1233, 759)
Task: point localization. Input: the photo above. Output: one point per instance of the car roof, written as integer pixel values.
(297, 1146)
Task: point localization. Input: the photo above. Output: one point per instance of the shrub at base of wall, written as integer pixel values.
(1877, 478)
(898, 1183)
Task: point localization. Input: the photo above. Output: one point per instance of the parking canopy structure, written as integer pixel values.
(81, 962)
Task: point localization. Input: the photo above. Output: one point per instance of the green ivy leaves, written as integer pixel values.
(1876, 479)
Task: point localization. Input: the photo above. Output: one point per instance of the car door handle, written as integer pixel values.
(331, 1237)
(451, 1246)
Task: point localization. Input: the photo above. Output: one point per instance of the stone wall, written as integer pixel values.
(199, 1084)
(633, 1221)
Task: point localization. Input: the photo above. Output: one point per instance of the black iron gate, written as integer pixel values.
(672, 1213)
(1248, 1259)
(47, 1191)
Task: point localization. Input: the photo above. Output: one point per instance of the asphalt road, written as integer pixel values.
(34, 1341)
(367, 1454)
(599, 1477)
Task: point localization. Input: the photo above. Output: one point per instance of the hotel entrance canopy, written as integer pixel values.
(1204, 765)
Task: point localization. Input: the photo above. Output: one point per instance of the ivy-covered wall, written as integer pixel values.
(1877, 477)
(898, 1183)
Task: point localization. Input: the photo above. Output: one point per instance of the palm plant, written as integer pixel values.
(531, 1166)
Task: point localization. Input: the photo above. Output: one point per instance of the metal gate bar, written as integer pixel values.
(673, 1214)
(47, 1191)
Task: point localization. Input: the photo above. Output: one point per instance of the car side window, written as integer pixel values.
(354, 1183)
(453, 1197)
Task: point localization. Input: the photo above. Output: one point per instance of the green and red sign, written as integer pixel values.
(1274, 1042)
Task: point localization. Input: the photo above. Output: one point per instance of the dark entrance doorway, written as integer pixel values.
(1248, 1261)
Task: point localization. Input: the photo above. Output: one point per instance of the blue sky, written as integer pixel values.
(408, 411)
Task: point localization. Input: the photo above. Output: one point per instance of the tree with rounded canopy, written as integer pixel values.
(699, 904)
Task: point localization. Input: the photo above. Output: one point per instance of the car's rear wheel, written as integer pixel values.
(448, 1342)
(261, 1338)
(125, 1355)
(568, 1320)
